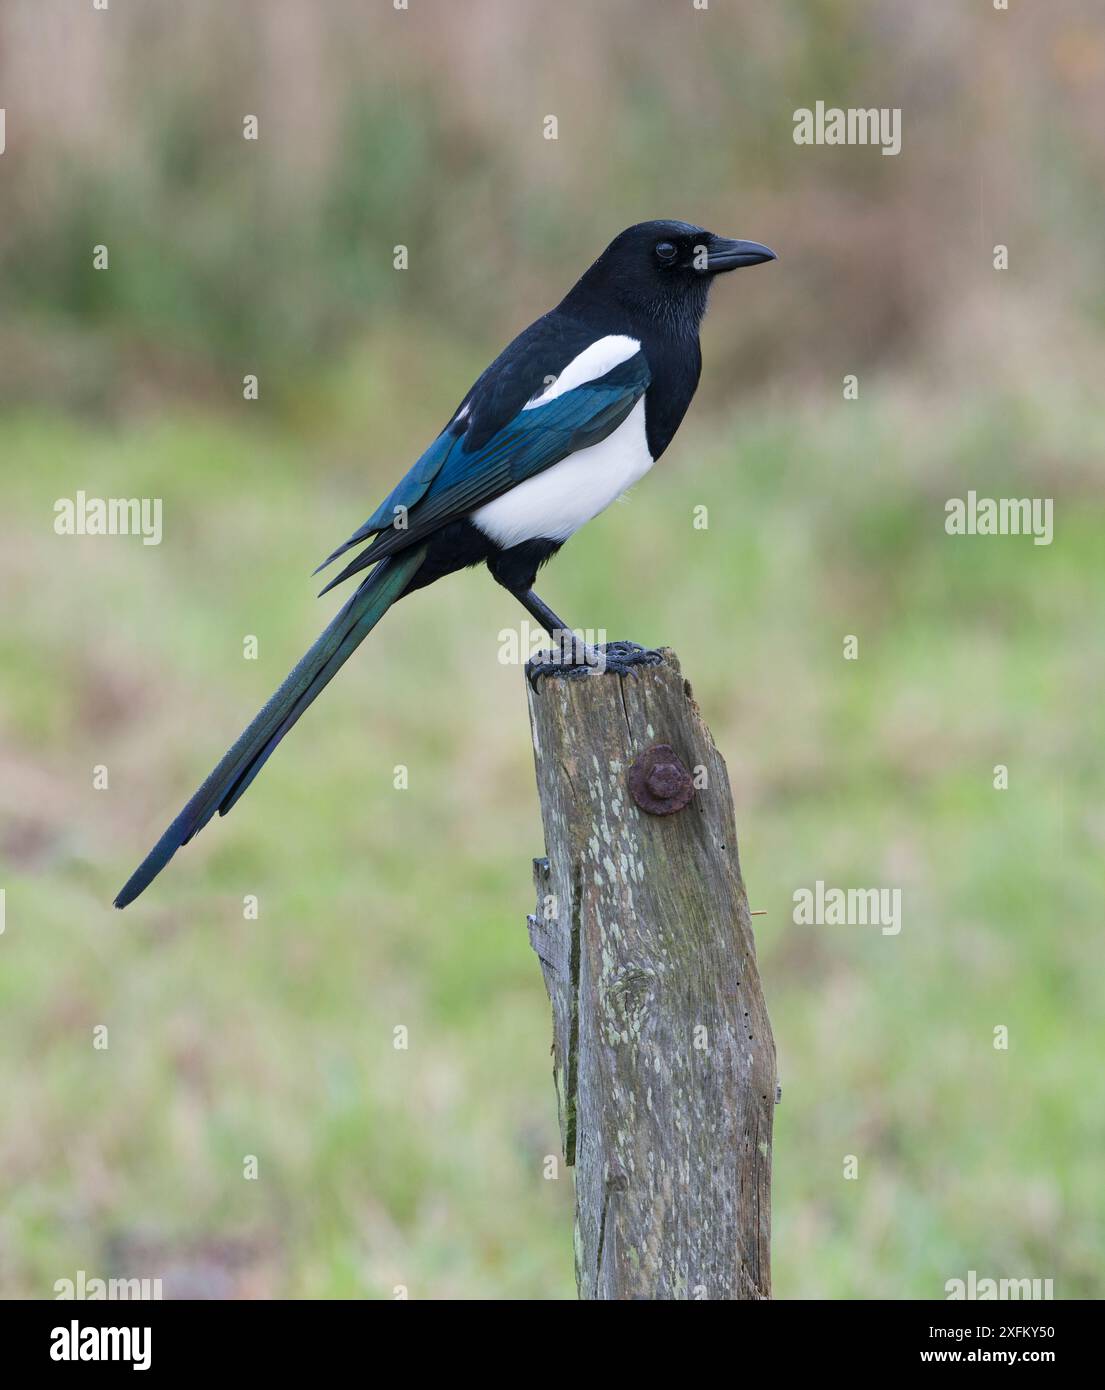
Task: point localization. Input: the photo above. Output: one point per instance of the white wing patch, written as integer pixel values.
(560, 500)
(593, 362)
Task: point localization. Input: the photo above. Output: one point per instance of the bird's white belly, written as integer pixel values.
(561, 499)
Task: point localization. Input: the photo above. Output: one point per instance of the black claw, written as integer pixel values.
(536, 669)
(620, 658)
(626, 655)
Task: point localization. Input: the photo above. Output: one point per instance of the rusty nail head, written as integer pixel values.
(658, 781)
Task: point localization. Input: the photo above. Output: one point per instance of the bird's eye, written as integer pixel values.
(666, 251)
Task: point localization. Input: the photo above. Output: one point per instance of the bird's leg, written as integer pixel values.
(571, 656)
(540, 610)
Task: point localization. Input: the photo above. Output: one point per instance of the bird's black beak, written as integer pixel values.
(731, 255)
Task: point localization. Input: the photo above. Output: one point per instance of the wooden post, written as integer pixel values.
(664, 1061)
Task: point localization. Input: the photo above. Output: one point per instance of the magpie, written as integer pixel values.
(563, 422)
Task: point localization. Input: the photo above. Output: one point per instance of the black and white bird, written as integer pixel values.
(575, 411)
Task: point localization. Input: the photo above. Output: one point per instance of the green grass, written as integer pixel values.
(382, 908)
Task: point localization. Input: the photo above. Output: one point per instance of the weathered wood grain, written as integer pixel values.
(664, 1060)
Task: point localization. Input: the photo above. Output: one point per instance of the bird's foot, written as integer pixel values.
(621, 657)
(569, 657)
(572, 658)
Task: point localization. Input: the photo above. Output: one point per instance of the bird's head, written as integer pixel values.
(665, 269)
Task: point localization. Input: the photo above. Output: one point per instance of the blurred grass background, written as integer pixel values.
(381, 908)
